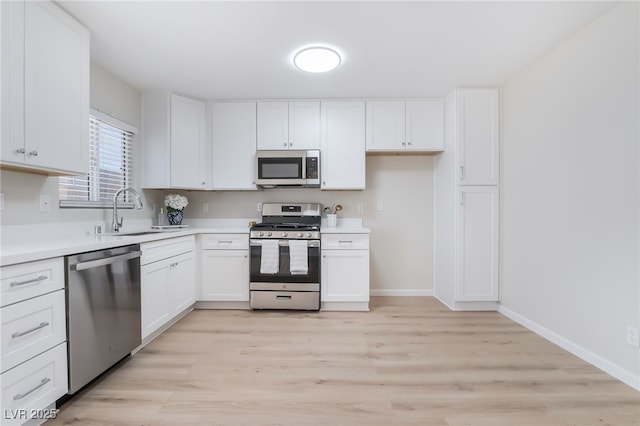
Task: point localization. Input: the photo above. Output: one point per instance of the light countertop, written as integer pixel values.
(33, 248)
(27, 243)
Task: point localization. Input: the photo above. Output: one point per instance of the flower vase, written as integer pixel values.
(174, 217)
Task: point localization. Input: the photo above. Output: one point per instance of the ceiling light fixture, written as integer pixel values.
(317, 59)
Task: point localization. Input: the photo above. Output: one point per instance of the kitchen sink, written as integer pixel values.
(139, 233)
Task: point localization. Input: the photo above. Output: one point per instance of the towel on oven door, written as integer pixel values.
(298, 255)
(270, 257)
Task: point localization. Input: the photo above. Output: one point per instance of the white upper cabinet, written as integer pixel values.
(343, 162)
(45, 89)
(189, 150)
(288, 125)
(233, 130)
(398, 126)
(478, 135)
(425, 125)
(175, 146)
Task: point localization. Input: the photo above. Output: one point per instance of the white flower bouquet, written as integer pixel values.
(175, 202)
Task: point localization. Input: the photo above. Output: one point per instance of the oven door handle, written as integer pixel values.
(284, 243)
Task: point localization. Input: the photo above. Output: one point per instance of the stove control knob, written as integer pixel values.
(269, 234)
(284, 234)
(309, 234)
(261, 234)
(299, 234)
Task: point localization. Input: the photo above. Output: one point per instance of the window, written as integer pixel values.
(109, 166)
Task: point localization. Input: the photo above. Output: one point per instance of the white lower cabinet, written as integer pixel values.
(345, 272)
(33, 351)
(168, 281)
(28, 389)
(225, 267)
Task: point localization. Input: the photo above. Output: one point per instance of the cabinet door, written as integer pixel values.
(225, 275)
(385, 126)
(345, 276)
(154, 296)
(304, 125)
(234, 145)
(273, 125)
(182, 283)
(477, 244)
(189, 153)
(425, 125)
(12, 73)
(56, 89)
(343, 145)
(478, 136)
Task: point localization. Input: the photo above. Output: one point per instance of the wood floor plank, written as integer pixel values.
(407, 362)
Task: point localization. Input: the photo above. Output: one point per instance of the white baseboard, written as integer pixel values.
(596, 360)
(400, 292)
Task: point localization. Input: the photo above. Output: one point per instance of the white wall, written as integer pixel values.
(22, 190)
(570, 234)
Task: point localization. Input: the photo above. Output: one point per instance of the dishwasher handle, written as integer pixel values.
(106, 261)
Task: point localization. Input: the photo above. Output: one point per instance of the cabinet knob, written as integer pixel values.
(202, 183)
(285, 145)
(33, 153)
(290, 144)
(404, 144)
(408, 143)
(20, 151)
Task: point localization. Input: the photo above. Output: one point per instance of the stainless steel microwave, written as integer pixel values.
(288, 169)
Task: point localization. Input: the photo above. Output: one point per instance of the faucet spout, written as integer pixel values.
(116, 223)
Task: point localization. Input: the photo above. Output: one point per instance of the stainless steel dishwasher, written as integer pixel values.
(103, 311)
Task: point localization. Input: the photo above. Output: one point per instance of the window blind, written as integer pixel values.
(110, 146)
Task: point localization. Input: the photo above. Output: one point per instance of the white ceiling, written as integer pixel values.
(243, 50)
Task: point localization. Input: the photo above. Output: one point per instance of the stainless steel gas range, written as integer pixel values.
(285, 257)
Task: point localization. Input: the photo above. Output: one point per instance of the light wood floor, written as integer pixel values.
(410, 361)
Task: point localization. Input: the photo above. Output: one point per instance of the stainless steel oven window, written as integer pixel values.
(284, 275)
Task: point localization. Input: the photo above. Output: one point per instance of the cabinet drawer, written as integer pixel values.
(31, 327)
(345, 241)
(33, 385)
(224, 242)
(158, 250)
(27, 280)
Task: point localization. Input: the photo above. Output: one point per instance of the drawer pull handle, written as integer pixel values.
(42, 383)
(283, 297)
(31, 330)
(345, 242)
(225, 242)
(32, 280)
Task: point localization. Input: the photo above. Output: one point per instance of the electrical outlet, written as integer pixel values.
(205, 207)
(259, 207)
(633, 336)
(45, 203)
(380, 206)
(360, 208)
(1, 202)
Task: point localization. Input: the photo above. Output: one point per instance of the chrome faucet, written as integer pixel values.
(116, 223)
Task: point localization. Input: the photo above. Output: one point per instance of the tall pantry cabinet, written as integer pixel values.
(467, 201)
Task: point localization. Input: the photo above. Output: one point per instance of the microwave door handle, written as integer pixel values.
(304, 167)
